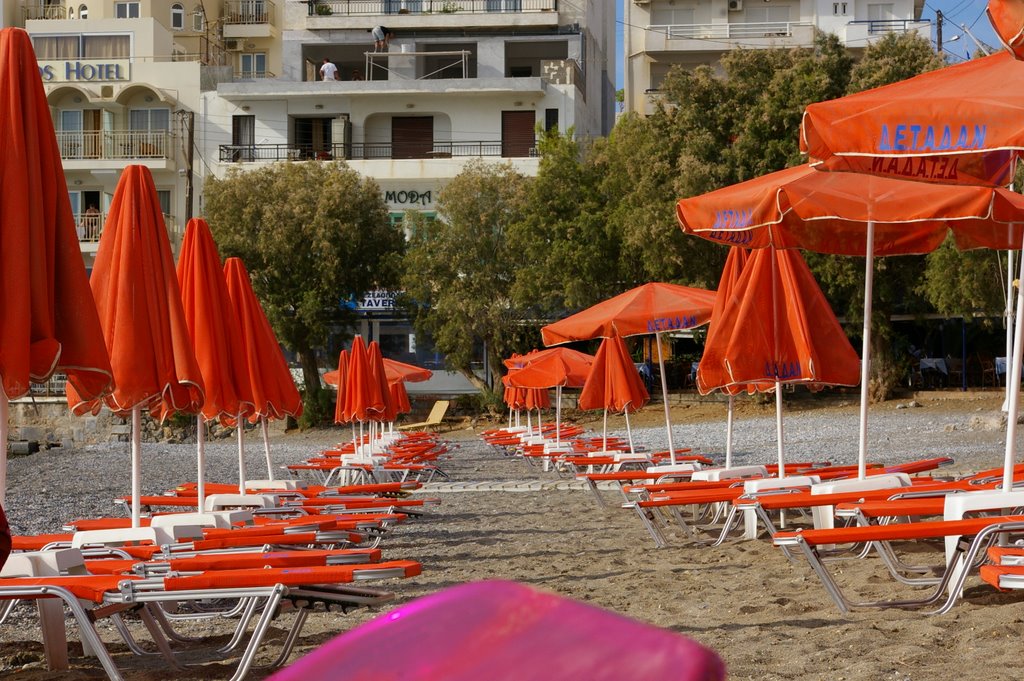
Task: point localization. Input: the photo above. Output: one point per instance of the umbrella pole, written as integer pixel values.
(865, 353)
(558, 415)
(266, 446)
(664, 398)
(604, 432)
(136, 466)
(728, 432)
(200, 462)
(1010, 324)
(778, 429)
(1013, 378)
(240, 438)
(629, 431)
(5, 415)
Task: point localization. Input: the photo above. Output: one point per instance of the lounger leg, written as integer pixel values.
(646, 517)
(257, 635)
(8, 607)
(243, 623)
(292, 638)
(55, 641)
(158, 638)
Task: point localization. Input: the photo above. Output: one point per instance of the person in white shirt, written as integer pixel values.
(328, 71)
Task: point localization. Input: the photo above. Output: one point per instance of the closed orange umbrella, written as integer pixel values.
(614, 384)
(48, 320)
(362, 395)
(652, 308)
(734, 264)
(216, 337)
(961, 124)
(386, 413)
(274, 394)
(400, 397)
(138, 299)
(776, 328)
(340, 377)
(1007, 17)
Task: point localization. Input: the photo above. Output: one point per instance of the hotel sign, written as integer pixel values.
(89, 71)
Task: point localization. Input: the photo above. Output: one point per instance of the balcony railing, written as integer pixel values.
(34, 12)
(267, 153)
(771, 29)
(882, 26)
(54, 387)
(113, 144)
(378, 7)
(248, 12)
(89, 225)
(253, 75)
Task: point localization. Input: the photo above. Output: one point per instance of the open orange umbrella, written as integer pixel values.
(394, 370)
(961, 124)
(48, 320)
(834, 212)
(652, 308)
(138, 299)
(216, 337)
(614, 384)
(274, 394)
(775, 327)
(1007, 17)
(552, 368)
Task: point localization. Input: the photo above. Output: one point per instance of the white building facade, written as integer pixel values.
(660, 34)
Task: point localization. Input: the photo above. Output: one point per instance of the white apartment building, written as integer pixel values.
(660, 34)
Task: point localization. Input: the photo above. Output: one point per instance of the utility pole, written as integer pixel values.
(938, 30)
(981, 46)
(188, 120)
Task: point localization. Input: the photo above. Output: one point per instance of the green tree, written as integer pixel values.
(310, 234)
(896, 57)
(460, 269)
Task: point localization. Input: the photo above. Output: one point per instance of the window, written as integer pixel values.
(177, 17)
(164, 196)
(672, 16)
(768, 14)
(517, 136)
(92, 46)
(149, 119)
(126, 10)
(253, 65)
(412, 136)
(243, 137)
(839, 8)
(504, 5)
(880, 12)
(550, 120)
(106, 46)
(83, 12)
(197, 18)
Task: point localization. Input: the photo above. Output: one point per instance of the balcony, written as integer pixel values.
(113, 144)
(37, 12)
(405, 16)
(248, 12)
(89, 226)
(721, 37)
(253, 75)
(860, 33)
(269, 153)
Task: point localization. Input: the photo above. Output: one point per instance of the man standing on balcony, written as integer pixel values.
(382, 36)
(328, 71)
(89, 230)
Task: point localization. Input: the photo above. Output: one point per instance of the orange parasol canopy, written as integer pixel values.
(776, 326)
(828, 213)
(514, 397)
(961, 124)
(213, 326)
(550, 368)
(537, 398)
(380, 380)
(651, 308)
(614, 383)
(734, 264)
(340, 379)
(399, 397)
(136, 291)
(48, 320)
(1007, 17)
(394, 370)
(363, 398)
(273, 389)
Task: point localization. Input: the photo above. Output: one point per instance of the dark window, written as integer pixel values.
(412, 137)
(520, 71)
(517, 138)
(243, 137)
(550, 120)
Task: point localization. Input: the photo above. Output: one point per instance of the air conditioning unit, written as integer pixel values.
(235, 45)
(735, 5)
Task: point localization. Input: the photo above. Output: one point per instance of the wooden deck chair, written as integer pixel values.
(434, 419)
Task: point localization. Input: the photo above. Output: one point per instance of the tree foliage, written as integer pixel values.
(310, 234)
(461, 267)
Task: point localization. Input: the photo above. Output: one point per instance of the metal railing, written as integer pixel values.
(253, 75)
(378, 7)
(268, 153)
(113, 144)
(248, 12)
(34, 12)
(882, 26)
(770, 29)
(89, 225)
(54, 387)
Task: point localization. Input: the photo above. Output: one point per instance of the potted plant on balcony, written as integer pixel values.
(323, 9)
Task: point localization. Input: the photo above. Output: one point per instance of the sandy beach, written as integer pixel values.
(766, 617)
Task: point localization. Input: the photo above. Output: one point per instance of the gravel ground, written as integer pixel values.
(767, 618)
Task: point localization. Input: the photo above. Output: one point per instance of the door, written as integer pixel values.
(70, 136)
(517, 136)
(243, 138)
(412, 137)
